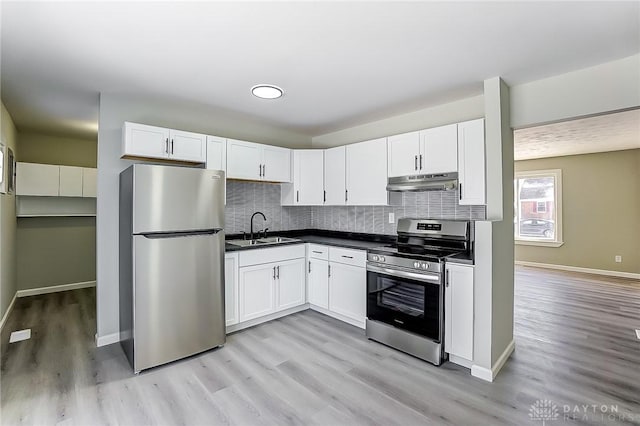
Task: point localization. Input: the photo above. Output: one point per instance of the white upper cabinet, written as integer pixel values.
(216, 153)
(244, 160)
(438, 150)
(37, 179)
(89, 182)
(307, 188)
(253, 161)
(404, 154)
(187, 146)
(334, 176)
(143, 141)
(366, 173)
(70, 181)
(471, 159)
(276, 164)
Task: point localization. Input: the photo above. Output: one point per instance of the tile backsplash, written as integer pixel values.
(245, 198)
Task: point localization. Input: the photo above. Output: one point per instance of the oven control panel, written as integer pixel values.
(417, 265)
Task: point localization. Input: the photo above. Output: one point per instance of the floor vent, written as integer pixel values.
(17, 336)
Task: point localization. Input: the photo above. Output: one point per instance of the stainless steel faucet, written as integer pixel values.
(254, 215)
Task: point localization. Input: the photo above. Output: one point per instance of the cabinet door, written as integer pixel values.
(367, 173)
(140, 140)
(276, 165)
(231, 288)
(334, 176)
(257, 291)
(89, 182)
(37, 179)
(471, 169)
(244, 160)
(459, 311)
(404, 152)
(70, 181)
(308, 170)
(217, 157)
(318, 282)
(348, 291)
(290, 284)
(187, 146)
(439, 150)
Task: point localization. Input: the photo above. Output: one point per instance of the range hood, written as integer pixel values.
(434, 182)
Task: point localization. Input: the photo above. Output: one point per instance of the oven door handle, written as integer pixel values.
(430, 278)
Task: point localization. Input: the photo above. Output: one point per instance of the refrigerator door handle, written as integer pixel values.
(159, 235)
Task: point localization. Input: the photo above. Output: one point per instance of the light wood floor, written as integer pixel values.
(575, 344)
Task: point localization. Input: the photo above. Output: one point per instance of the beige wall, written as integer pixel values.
(8, 280)
(56, 250)
(600, 209)
(48, 149)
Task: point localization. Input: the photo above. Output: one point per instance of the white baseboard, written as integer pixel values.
(460, 361)
(107, 339)
(360, 324)
(9, 309)
(55, 288)
(489, 375)
(580, 269)
(250, 323)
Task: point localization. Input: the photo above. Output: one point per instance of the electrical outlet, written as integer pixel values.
(618, 259)
(392, 218)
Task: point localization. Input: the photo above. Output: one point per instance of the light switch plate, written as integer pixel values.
(17, 336)
(392, 218)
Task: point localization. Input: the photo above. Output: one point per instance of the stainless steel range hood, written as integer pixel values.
(434, 182)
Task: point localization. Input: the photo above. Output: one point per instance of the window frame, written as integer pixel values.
(557, 201)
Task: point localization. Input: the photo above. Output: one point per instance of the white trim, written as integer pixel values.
(108, 339)
(9, 309)
(460, 361)
(620, 274)
(557, 202)
(538, 243)
(255, 321)
(489, 375)
(55, 288)
(360, 324)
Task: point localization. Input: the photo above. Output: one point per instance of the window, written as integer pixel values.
(538, 208)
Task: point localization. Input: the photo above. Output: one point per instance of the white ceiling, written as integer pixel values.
(602, 133)
(340, 63)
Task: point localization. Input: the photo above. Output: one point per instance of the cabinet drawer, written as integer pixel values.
(268, 255)
(348, 256)
(318, 252)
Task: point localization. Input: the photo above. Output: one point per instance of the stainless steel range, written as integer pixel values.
(405, 285)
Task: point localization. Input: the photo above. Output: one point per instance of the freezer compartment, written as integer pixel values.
(178, 294)
(167, 198)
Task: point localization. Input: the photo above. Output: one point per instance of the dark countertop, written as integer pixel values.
(353, 240)
(316, 236)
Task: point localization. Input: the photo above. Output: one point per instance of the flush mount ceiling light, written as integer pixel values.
(266, 91)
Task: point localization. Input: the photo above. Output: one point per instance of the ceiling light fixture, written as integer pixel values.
(266, 91)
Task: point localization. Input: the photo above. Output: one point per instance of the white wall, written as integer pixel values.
(453, 112)
(606, 87)
(114, 110)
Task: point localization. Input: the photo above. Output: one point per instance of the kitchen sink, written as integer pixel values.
(262, 241)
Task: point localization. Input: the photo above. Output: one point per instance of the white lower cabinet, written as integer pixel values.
(458, 328)
(337, 281)
(231, 288)
(290, 284)
(269, 281)
(257, 291)
(348, 291)
(318, 282)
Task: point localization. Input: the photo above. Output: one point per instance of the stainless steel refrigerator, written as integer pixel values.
(171, 263)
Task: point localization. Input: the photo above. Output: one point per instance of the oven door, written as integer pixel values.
(405, 299)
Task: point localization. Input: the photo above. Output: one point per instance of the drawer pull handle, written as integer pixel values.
(316, 252)
(348, 257)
